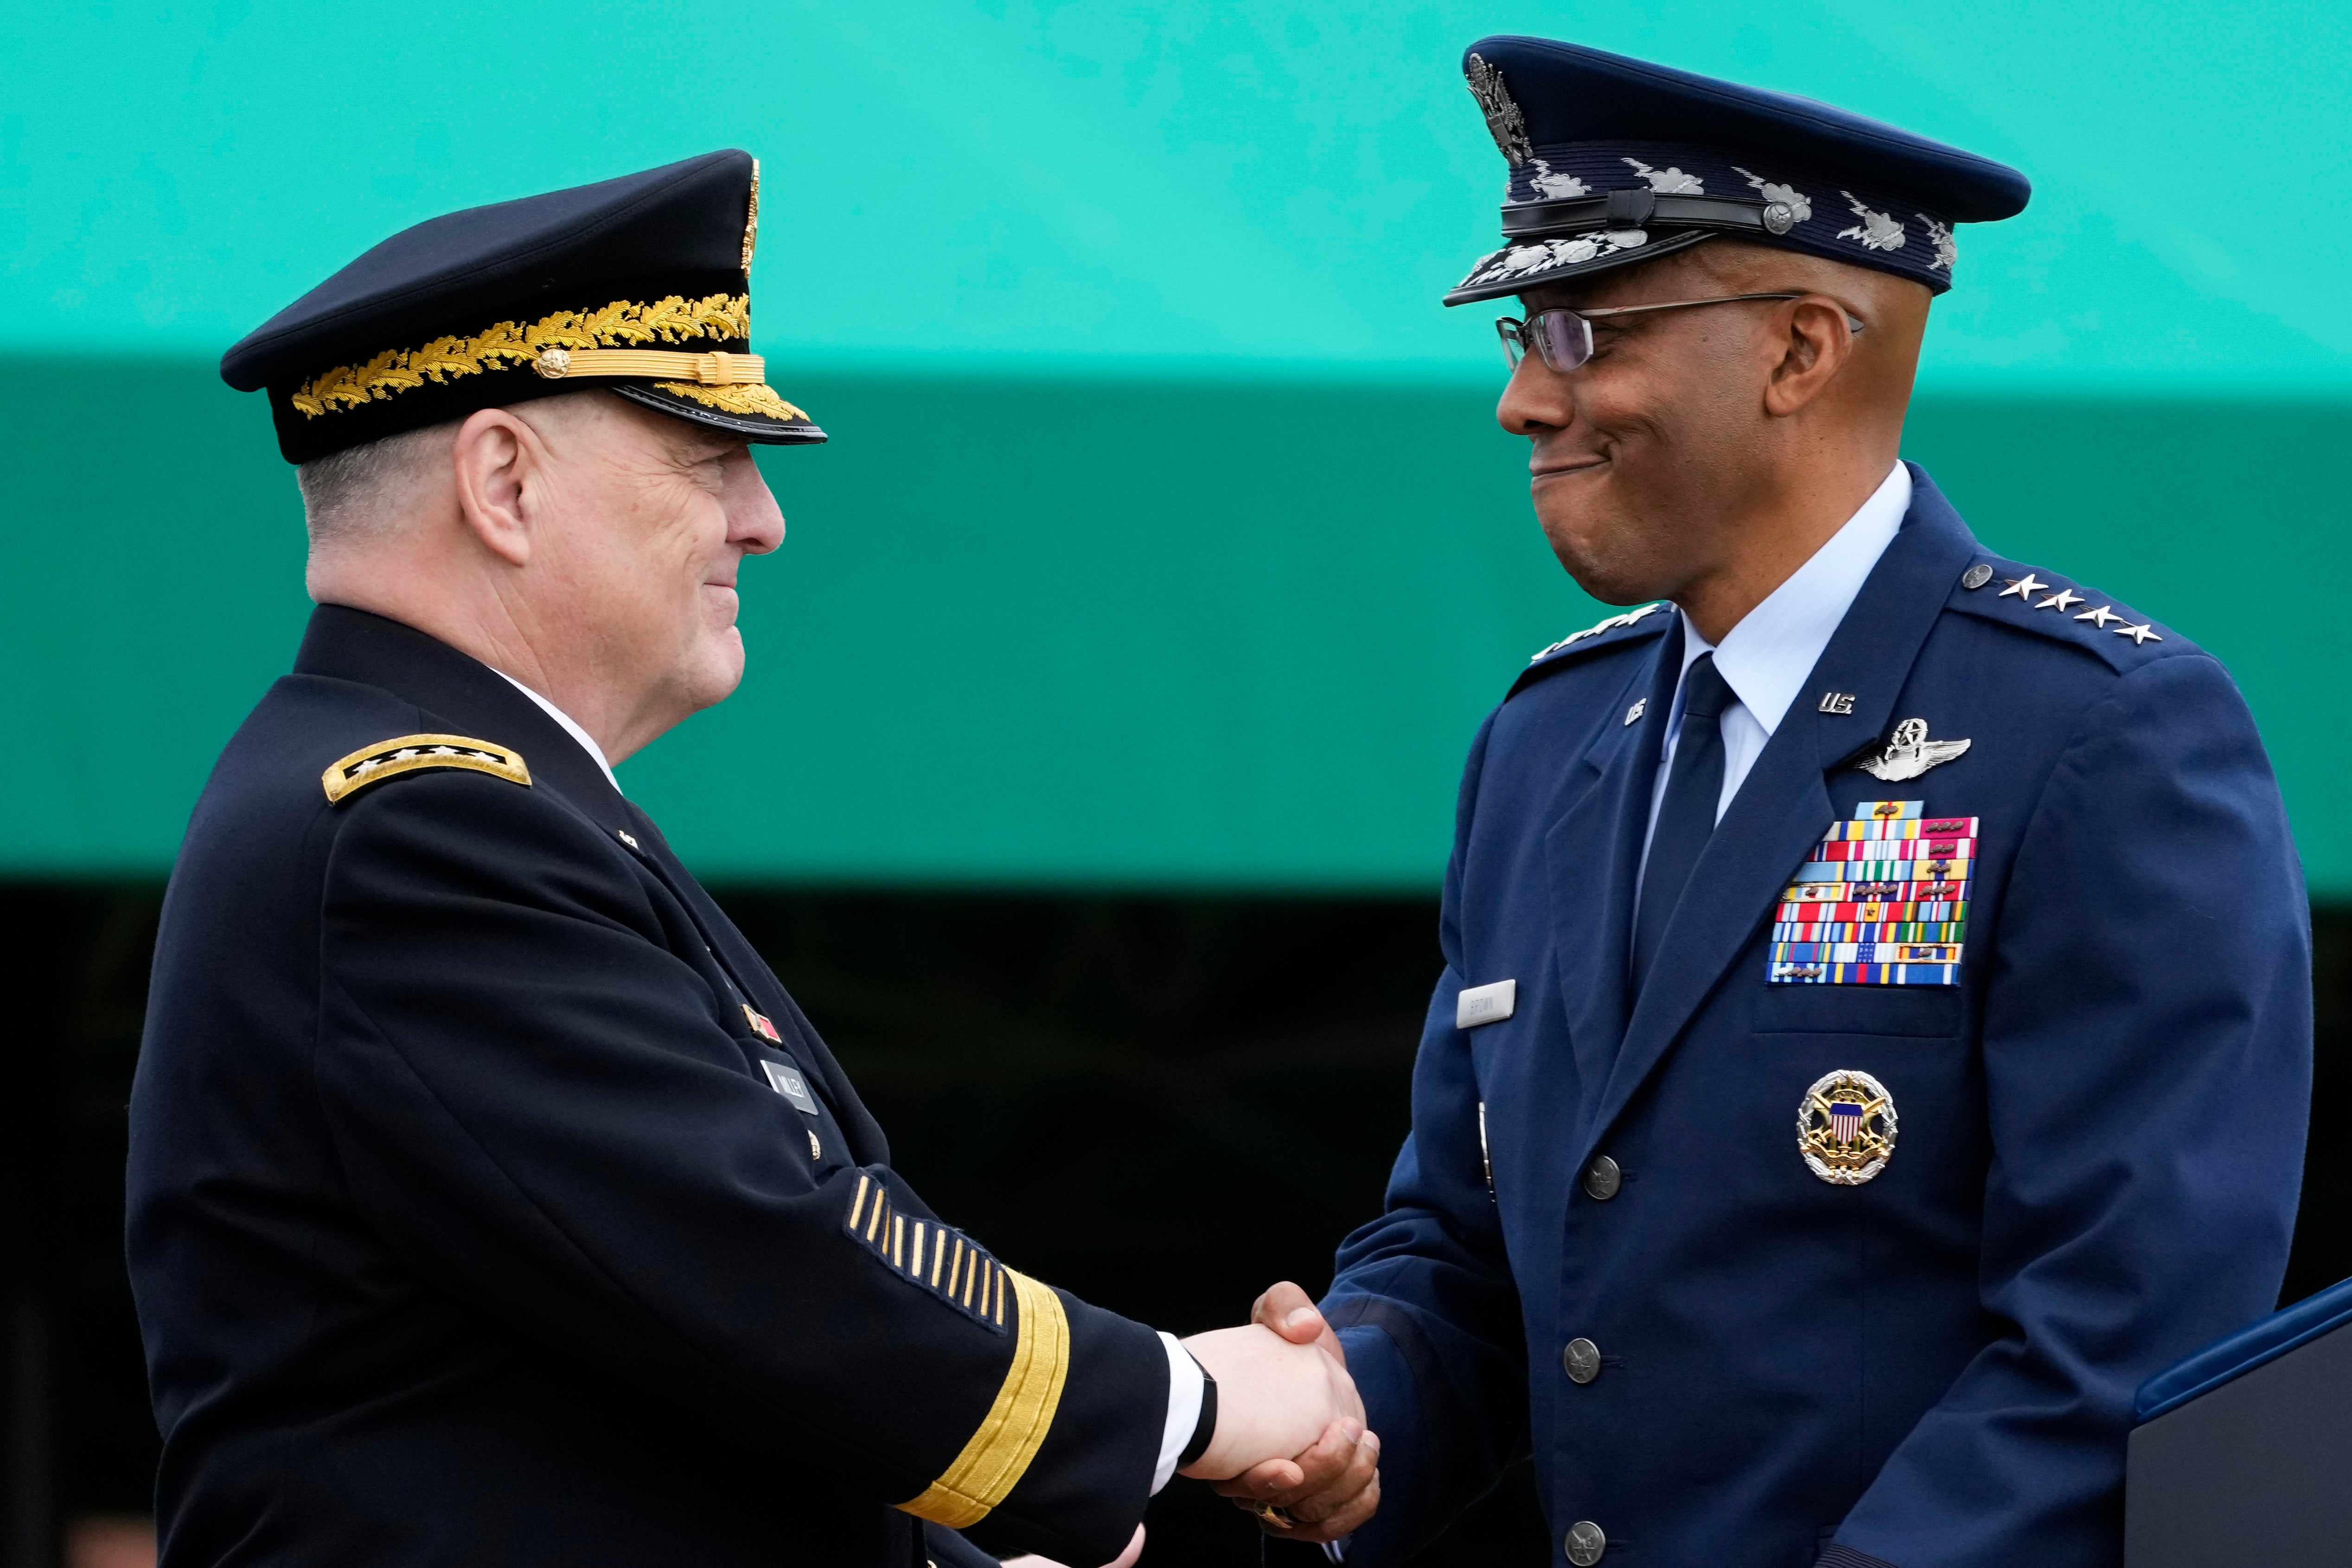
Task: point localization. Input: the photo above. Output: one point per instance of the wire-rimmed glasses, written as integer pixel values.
(1564, 337)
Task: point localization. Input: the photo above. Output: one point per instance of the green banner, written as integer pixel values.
(1163, 631)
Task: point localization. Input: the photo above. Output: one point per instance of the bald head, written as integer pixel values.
(1704, 454)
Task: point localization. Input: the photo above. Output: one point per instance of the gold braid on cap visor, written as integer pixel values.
(572, 343)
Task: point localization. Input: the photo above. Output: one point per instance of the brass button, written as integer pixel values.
(1580, 1360)
(1602, 1178)
(1586, 1544)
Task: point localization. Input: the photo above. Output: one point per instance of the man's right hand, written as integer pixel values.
(1329, 1490)
(1275, 1398)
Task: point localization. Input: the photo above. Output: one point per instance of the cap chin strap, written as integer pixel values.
(1638, 209)
(714, 369)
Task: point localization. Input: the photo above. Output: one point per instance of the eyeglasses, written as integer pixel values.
(1564, 337)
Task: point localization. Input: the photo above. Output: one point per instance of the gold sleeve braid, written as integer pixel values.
(1000, 1450)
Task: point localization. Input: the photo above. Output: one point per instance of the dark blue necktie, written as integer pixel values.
(1687, 815)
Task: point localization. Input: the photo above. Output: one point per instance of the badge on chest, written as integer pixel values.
(1882, 901)
(1846, 1128)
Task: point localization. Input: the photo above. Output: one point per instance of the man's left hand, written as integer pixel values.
(1327, 1492)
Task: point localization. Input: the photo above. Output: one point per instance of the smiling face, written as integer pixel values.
(652, 517)
(1688, 451)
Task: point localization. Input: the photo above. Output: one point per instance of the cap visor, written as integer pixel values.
(753, 412)
(1517, 268)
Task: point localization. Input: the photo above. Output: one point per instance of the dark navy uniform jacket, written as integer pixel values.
(2101, 1124)
(475, 1217)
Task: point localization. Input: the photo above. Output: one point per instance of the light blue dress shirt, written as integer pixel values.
(1766, 657)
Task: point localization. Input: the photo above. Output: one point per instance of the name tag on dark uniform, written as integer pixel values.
(786, 1080)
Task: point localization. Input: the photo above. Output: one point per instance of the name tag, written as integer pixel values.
(787, 1082)
(1486, 1004)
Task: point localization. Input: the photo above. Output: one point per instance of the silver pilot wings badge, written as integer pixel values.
(1911, 753)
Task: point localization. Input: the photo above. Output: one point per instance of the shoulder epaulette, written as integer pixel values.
(2089, 620)
(408, 754)
(1610, 625)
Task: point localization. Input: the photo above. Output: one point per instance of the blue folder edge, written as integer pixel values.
(2242, 1351)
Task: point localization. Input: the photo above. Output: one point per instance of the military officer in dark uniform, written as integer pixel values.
(1875, 1030)
(489, 1200)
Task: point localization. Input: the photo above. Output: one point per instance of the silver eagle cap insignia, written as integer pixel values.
(1505, 122)
(1911, 753)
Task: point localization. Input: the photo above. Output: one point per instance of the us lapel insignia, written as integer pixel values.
(1845, 1127)
(1911, 753)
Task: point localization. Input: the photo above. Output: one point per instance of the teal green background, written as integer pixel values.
(1165, 539)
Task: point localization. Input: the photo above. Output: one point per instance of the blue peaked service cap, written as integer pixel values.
(1613, 161)
(640, 286)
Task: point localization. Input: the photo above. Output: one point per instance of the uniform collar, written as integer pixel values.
(461, 693)
(1766, 657)
(570, 726)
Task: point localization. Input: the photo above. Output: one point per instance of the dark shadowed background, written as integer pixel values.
(1163, 1104)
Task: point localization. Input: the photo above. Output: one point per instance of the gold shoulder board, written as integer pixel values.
(408, 754)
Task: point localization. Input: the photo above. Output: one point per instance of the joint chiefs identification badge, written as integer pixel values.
(1846, 1128)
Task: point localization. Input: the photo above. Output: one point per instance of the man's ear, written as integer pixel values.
(1819, 342)
(496, 455)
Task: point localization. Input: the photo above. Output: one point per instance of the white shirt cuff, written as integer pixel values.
(1183, 1409)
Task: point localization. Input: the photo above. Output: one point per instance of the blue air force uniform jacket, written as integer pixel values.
(2098, 1130)
(491, 1202)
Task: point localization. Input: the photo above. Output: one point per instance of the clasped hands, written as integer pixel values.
(1290, 1428)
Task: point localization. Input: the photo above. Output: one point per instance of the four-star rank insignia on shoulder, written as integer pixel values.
(1882, 901)
(411, 753)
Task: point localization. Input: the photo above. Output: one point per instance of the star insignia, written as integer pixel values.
(2100, 617)
(2023, 588)
(2065, 599)
(2138, 633)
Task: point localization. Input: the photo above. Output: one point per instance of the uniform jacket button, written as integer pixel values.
(1586, 1544)
(1581, 1358)
(1602, 1178)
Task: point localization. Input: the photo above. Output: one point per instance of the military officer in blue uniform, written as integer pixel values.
(490, 1202)
(1876, 1031)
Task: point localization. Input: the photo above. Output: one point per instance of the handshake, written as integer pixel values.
(1290, 1447)
(1290, 1444)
